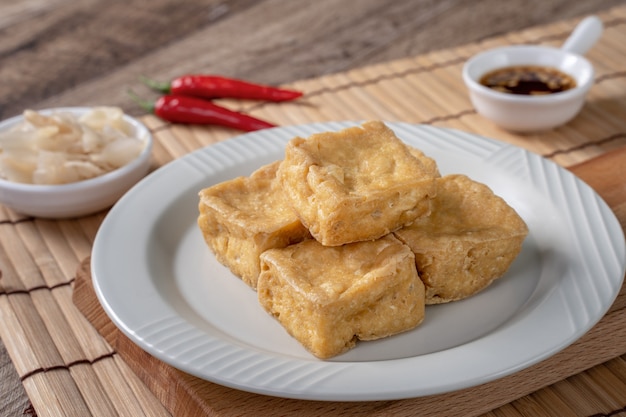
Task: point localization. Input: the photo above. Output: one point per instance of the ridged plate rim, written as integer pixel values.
(579, 298)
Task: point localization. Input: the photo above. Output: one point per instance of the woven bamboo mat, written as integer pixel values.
(71, 366)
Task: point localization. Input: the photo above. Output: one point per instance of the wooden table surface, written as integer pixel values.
(91, 52)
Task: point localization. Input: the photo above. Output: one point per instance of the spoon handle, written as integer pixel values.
(584, 36)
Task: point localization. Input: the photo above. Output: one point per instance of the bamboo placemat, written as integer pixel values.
(68, 368)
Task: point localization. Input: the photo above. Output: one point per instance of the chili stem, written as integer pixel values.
(163, 87)
(145, 104)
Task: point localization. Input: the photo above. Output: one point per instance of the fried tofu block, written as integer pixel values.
(356, 184)
(470, 239)
(330, 297)
(245, 216)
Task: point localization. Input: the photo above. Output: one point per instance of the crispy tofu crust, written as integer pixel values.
(245, 216)
(354, 233)
(357, 184)
(330, 297)
(470, 239)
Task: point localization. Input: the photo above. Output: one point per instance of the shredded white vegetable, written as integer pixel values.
(62, 148)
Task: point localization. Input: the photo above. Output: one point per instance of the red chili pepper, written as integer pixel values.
(213, 86)
(193, 110)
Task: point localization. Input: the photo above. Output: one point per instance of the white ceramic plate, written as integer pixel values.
(162, 287)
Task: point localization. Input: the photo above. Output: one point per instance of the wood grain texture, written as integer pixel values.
(607, 178)
(87, 52)
(14, 401)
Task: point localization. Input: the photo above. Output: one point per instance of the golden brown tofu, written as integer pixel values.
(470, 239)
(356, 184)
(245, 216)
(330, 297)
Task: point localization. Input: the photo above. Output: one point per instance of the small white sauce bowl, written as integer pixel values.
(79, 198)
(527, 113)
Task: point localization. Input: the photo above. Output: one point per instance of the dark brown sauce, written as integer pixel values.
(528, 80)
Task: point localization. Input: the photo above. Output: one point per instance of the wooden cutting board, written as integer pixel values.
(184, 395)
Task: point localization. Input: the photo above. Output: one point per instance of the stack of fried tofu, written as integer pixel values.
(354, 232)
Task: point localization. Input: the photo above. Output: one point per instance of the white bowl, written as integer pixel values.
(525, 113)
(79, 198)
